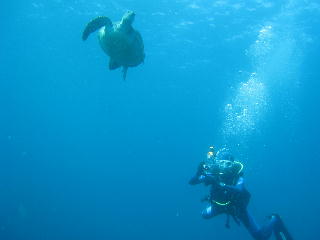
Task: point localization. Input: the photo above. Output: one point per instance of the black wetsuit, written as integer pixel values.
(233, 200)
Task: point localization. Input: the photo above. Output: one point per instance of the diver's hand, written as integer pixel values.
(210, 179)
(200, 169)
(194, 180)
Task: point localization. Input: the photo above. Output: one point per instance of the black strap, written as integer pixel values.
(227, 224)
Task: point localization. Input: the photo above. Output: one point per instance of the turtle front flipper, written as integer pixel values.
(94, 25)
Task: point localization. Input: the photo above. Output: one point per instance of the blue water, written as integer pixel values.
(85, 155)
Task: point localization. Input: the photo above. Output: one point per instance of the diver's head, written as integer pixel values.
(128, 17)
(224, 154)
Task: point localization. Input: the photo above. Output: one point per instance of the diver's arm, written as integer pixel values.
(203, 178)
(239, 187)
(197, 179)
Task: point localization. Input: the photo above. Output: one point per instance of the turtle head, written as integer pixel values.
(128, 17)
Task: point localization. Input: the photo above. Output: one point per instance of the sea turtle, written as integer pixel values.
(119, 40)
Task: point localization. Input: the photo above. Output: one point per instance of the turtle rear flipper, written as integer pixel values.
(113, 64)
(124, 71)
(94, 25)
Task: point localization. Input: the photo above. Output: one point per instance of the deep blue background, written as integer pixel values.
(85, 155)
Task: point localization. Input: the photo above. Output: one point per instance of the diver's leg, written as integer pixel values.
(257, 232)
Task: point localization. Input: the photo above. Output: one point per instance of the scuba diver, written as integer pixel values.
(229, 196)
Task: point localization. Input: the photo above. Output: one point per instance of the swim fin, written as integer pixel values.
(281, 232)
(278, 235)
